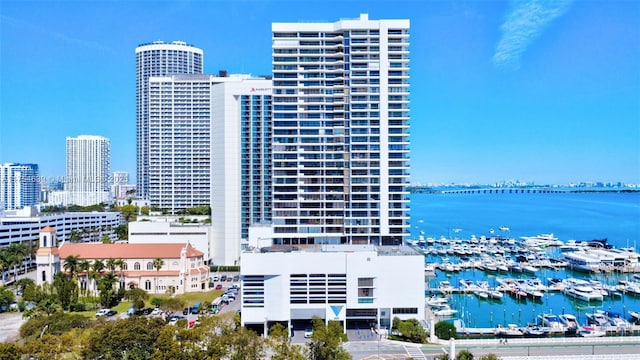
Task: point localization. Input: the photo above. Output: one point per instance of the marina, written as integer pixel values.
(511, 284)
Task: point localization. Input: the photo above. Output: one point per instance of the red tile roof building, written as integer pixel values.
(183, 268)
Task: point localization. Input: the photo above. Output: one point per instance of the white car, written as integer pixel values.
(102, 312)
(156, 311)
(308, 332)
(216, 278)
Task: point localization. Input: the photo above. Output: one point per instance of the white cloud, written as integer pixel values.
(524, 23)
(53, 34)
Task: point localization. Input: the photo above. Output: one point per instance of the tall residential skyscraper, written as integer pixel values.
(19, 185)
(209, 144)
(340, 132)
(88, 170)
(240, 163)
(157, 59)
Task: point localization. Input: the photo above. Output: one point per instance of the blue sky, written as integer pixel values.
(544, 91)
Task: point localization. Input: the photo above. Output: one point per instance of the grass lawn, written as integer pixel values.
(190, 298)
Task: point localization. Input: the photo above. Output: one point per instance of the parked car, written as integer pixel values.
(215, 278)
(223, 278)
(308, 332)
(219, 287)
(174, 319)
(102, 312)
(236, 278)
(186, 311)
(156, 311)
(111, 313)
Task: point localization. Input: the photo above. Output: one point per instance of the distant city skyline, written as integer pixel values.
(544, 93)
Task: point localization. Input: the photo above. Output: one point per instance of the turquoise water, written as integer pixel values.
(577, 216)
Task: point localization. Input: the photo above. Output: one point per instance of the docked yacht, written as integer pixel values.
(598, 318)
(583, 292)
(551, 321)
(445, 311)
(510, 331)
(570, 322)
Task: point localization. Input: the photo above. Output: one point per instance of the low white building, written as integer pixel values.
(168, 229)
(358, 285)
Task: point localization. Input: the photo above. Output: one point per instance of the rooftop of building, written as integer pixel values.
(331, 248)
(127, 251)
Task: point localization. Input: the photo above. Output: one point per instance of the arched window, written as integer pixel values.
(147, 285)
(136, 266)
(44, 276)
(149, 265)
(124, 266)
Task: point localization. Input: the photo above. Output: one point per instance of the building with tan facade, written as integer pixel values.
(183, 267)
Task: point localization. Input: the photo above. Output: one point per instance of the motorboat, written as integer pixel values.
(635, 316)
(436, 301)
(511, 330)
(551, 321)
(534, 331)
(589, 331)
(445, 311)
(598, 318)
(495, 294)
(570, 322)
(481, 294)
(584, 292)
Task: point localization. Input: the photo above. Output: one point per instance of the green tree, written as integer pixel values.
(281, 346)
(108, 296)
(445, 330)
(23, 283)
(137, 297)
(464, 355)
(158, 263)
(122, 231)
(105, 239)
(412, 330)
(74, 236)
(6, 296)
(326, 341)
(66, 290)
(490, 356)
(84, 266)
(10, 351)
(131, 338)
(129, 212)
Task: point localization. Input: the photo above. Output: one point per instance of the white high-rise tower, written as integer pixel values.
(340, 132)
(157, 59)
(88, 170)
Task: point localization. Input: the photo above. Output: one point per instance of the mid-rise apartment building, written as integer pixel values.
(19, 185)
(88, 170)
(340, 132)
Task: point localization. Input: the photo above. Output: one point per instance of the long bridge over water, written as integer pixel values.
(515, 190)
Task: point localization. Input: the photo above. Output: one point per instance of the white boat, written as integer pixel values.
(480, 293)
(581, 261)
(445, 287)
(495, 294)
(445, 311)
(584, 292)
(504, 228)
(589, 331)
(436, 301)
(551, 321)
(541, 240)
(597, 318)
(570, 322)
(530, 269)
(635, 315)
(510, 331)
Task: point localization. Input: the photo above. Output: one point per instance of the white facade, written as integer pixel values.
(162, 229)
(47, 256)
(24, 225)
(88, 170)
(157, 59)
(19, 185)
(340, 132)
(357, 285)
(240, 163)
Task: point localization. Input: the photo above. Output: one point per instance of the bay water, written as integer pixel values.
(578, 216)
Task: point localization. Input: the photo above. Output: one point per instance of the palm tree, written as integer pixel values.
(74, 236)
(158, 263)
(71, 265)
(96, 272)
(85, 266)
(111, 264)
(17, 252)
(120, 264)
(105, 284)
